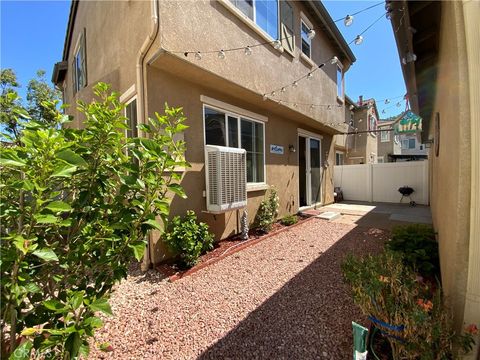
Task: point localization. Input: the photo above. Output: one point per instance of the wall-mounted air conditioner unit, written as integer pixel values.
(226, 178)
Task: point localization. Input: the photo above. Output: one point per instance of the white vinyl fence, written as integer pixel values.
(380, 182)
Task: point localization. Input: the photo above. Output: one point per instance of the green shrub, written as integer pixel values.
(385, 288)
(188, 238)
(289, 220)
(267, 212)
(75, 209)
(418, 246)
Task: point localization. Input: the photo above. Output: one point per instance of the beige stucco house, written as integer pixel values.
(252, 75)
(358, 144)
(438, 47)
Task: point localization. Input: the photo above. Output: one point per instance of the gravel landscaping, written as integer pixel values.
(281, 298)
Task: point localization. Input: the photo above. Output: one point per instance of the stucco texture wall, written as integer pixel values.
(281, 170)
(115, 31)
(450, 190)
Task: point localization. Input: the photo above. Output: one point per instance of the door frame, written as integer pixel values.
(309, 135)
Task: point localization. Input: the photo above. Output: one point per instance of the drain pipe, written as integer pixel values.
(142, 93)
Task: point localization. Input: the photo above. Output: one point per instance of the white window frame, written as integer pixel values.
(239, 116)
(304, 21)
(384, 135)
(375, 127)
(340, 97)
(308, 135)
(343, 157)
(128, 102)
(81, 42)
(251, 23)
(403, 142)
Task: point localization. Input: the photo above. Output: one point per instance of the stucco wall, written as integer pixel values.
(362, 144)
(281, 170)
(450, 193)
(115, 31)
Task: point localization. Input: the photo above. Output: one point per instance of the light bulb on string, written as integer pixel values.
(358, 40)
(310, 75)
(387, 101)
(399, 104)
(329, 107)
(221, 54)
(198, 55)
(277, 44)
(384, 112)
(248, 50)
(348, 20)
(264, 97)
(311, 34)
(334, 60)
(283, 89)
(295, 84)
(273, 93)
(295, 105)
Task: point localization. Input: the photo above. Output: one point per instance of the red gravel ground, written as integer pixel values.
(282, 298)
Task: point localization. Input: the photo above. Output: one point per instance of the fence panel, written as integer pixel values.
(380, 182)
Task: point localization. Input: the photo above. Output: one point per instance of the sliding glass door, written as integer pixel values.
(310, 170)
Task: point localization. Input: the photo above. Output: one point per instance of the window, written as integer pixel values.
(306, 41)
(351, 118)
(131, 115)
(339, 82)
(339, 158)
(385, 136)
(263, 12)
(286, 27)
(235, 131)
(408, 144)
(79, 66)
(372, 123)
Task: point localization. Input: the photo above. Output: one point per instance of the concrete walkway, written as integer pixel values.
(379, 215)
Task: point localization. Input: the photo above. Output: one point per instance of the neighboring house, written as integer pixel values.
(394, 147)
(154, 52)
(359, 145)
(438, 47)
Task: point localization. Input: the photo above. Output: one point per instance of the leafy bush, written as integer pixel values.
(76, 207)
(419, 247)
(267, 212)
(385, 288)
(188, 238)
(289, 220)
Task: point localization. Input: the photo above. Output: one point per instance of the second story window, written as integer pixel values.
(372, 124)
(79, 65)
(385, 136)
(306, 40)
(131, 115)
(263, 12)
(340, 90)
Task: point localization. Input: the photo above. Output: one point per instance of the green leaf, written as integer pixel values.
(77, 300)
(94, 322)
(138, 249)
(101, 305)
(72, 345)
(177, 189)
(59, 206)
(46, 254)
(84, 350)
(64, 171)
(21, 244)
(46, 219)
(154, 224)
(54, 305)
(11, 162)
(71, 158)
(22, 352)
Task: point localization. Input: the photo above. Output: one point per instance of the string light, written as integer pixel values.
(221, 54)
(198, 55)
(311, 34)
(310, 75)
(356, 13)
(283, 89)
(334, 60)
(277, 44)
(248, 50)
(348, 20)
(295, 84)
(358, 40)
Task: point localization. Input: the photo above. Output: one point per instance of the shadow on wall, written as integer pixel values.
(309, 317)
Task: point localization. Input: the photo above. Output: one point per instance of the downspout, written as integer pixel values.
(142, 91)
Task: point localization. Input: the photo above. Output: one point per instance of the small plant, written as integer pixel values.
(188, 238)
(267, 212)
(412, 312)
(418, 246)
(289, 220)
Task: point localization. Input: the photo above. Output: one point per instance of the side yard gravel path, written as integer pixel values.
(281, 298)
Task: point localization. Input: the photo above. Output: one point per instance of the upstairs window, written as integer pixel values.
(340, 90)
(306, 41)
(232, 130)
(79, 65)
(287, 33)
(372, 124)
(263, 12)
(408, 144)
(385, 136)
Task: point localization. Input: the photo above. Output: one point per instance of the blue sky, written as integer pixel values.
(33, 32)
